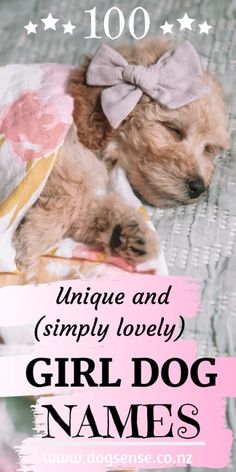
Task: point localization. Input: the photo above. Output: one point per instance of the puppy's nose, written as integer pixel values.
(196, 188)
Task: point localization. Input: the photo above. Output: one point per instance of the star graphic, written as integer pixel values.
(204, 28)
(185, 22)
(166, 28)
(30, 28)
(68, 27)
(49, 22)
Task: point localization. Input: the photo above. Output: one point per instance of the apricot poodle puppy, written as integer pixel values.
(167, 153)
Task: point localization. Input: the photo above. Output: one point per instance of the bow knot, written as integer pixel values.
(134, 74)
(174, 80)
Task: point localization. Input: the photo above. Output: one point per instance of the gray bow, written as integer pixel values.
(174, 80)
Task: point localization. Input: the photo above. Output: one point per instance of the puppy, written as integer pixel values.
(74, 203)
(168, 155)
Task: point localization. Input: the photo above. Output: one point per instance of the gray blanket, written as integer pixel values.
(198, 240)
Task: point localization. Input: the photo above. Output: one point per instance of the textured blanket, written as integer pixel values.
(35, 116)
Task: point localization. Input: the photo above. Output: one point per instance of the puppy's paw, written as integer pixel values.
(25, 261)
(133, 240)
(26, 265)
(27, 258)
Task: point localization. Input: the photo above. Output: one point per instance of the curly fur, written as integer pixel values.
(161, 149)
(74, 203)
(163, 152)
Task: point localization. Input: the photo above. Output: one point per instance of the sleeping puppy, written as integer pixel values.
(164, 136)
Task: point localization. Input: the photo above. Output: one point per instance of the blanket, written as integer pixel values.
(35, 116)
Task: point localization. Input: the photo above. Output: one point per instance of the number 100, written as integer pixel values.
(121, 23)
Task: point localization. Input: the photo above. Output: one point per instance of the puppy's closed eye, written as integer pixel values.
(174, 130)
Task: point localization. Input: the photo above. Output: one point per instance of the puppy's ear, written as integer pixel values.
(93, 128)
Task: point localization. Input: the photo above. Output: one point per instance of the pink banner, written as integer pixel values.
(118, 385)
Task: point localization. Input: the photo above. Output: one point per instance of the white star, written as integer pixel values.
(204, 28)
(68, 27)
(49, 22)
(167, 28)
(30, 28)
(185, 22)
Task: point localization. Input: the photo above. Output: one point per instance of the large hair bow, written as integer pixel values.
(174, 80)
